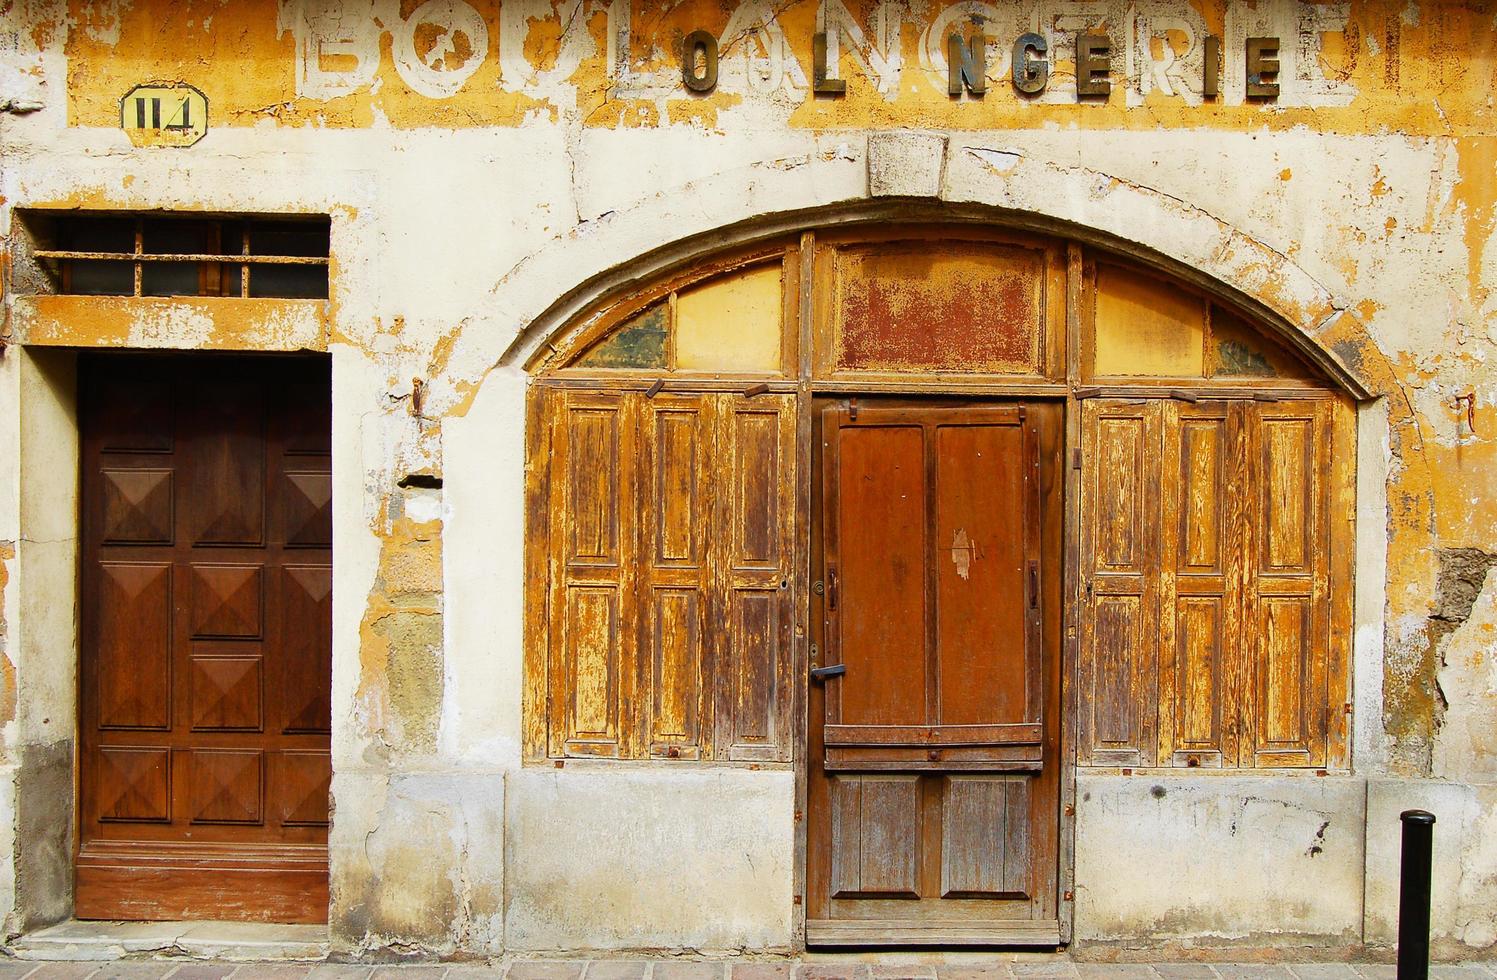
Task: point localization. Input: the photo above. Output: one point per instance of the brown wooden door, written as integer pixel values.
(206, 643)
(934, 763)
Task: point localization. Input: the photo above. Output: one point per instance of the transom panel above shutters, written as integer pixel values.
(1216, 582)
(668, 525)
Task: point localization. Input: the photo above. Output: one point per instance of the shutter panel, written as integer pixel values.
(592, 611)
(1200, 578)
(753, 549)
(677, 440)
(1286, 604)
(1120, 562)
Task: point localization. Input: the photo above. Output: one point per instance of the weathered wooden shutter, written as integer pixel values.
(593, 512)
(1209, 556)
(669, 525)
(1120, 566)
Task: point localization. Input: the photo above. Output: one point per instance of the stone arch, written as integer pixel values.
(918, 177)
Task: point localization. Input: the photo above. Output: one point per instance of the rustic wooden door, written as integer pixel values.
(933, 751)
(206, 638)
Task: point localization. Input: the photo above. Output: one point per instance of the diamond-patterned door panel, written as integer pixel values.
(226, 600)
(132, 661)
(300, 782)
(307, 509)
(307, 638)
(137, 506)
(227, 688)
(134, 784)
(227, 786)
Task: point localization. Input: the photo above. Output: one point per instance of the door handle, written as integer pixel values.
(822, 673)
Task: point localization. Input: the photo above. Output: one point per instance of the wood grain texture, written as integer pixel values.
(939, 534)
(669, 521)
(206, 638)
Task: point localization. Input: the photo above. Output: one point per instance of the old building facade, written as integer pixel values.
(572, 475)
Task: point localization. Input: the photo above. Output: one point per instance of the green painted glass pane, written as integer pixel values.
(639, 343)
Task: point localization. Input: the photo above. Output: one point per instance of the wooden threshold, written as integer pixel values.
(914, 932)
(163, 881)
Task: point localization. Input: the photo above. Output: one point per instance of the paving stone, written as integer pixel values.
(1114, 971)
(339, 971)
(616, 970)
(686, 970)
(1377, 971)
(413, 971)
(832, 971)
(974, 971)
(273, 971)
(1044, 969)
(1185, 971)
(131, 970)
(546, 970)
(15, 969)
(1253, 971)
(204, 970)
(63, 971)
(470, 971)
(762, 971)
(1458, 971)
(903, 971)
(1323, 971)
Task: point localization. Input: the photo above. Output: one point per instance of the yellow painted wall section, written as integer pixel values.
(1362, 67)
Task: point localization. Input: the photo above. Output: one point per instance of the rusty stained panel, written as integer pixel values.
(1146, 327)
(732, 323)
(956, 307)
(1237, 350)
(639, 343)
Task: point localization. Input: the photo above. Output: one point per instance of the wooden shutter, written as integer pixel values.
(753, 473)
(593, 618)
(1286, 608)
(669, 527)
(1120, 563)
(1217, 568)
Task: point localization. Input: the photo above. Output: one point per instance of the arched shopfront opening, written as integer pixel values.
(1016, 505)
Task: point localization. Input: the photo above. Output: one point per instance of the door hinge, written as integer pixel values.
(1076, 459)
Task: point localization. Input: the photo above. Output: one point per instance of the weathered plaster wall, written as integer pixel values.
(696, 860)
(481, 162)
(1257, 860)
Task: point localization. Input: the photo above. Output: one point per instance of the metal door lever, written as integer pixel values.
(822, 673)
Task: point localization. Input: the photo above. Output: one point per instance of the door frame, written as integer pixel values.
(1065, 495)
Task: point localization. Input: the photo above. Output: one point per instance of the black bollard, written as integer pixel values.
(1413, 894)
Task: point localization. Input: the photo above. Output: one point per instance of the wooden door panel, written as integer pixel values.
(985, 840)
(306, 636)
(132, 655)
(982, 587)
(137, 506)
(938, 747)
(876, 578)
(133, 784)
(206, 632)
(876, 836)
(226, 493)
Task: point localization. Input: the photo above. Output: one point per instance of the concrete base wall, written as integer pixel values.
(650, 859)
(1215, 860)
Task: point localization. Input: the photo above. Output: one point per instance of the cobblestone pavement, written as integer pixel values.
(815, 969)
